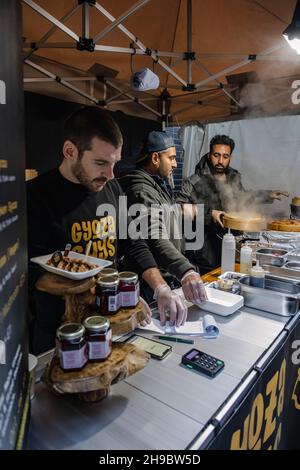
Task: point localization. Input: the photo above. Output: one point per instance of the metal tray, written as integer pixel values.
(278, 296)
(283, 274)
(271, 256)
(294, 255)
(292, 265)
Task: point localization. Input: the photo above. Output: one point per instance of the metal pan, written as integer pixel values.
(278, 296)
(271, 256)
(292, 265)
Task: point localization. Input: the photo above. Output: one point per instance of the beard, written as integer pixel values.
(93, 185)
(219, 169)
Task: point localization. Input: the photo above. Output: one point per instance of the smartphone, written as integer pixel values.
(156, 349)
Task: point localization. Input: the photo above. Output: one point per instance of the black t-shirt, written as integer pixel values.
(61, 212)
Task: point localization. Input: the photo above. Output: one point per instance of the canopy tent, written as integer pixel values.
(216, 59)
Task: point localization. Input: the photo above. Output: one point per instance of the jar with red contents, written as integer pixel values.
(71, 346)
(129, 289)
(98, 337)
(107, 295)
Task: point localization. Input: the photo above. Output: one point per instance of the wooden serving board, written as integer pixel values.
(124, 321)
(59, 285)
(93, 381)
(81, 303)
(284, 225)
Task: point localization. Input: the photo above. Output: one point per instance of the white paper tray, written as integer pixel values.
(42, 260)
(221, 303)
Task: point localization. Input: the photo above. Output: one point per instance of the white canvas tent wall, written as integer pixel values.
(267, 153)
(223, 37)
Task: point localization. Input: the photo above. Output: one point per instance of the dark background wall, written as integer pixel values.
(13, 246)
(44, 117)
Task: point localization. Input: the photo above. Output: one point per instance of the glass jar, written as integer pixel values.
(108, 272)
(129, 289)
(107, 295)
(98, 337)
(71, 346)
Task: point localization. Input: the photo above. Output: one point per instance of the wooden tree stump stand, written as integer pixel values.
(92, 383)
(80, 302)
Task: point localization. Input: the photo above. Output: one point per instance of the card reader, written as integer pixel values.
(202, 362)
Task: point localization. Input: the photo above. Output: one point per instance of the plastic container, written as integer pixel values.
(245, 259)
(257, 276)
(228, 253)
(32, 364)
(220, 302)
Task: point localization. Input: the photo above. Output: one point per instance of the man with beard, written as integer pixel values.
(78, 203)
(148, 185)
(218, 186)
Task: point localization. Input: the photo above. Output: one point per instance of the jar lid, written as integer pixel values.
(128, 276)
(108, 272)
(70, 331)
(107, 281)
(96, 323)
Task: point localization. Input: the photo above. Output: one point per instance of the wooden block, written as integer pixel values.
(59, 285)
(125, 360)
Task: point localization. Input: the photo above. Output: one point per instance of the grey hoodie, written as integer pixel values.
(140, 187)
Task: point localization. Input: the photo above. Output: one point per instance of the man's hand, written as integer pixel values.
(170, 304)
(193, 287)
(216, 215)
(147, 311)
(190, 211)
(276, 194)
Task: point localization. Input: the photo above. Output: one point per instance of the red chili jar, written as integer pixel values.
(71, 346)
(129, 289)
(99, 338)
(107, 295)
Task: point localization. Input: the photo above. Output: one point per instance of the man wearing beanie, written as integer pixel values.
(148, 185)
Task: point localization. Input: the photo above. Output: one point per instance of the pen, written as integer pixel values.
(176, 340)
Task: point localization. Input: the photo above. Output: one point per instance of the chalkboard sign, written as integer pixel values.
(13, 252)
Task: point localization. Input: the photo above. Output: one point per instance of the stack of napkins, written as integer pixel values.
(206, 328)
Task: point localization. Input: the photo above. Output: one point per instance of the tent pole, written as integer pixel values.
(221, 85)
(85, 20)
(139, 44)
(163, 117)
(50, 32)
(121, 18)
(52, 19)
(61, 81)
(189, 40)
(250, 59)
(133, 98)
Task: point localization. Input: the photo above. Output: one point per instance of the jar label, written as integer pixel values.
(113, 303)
(129, 299)
(73, 359)
(100, 349)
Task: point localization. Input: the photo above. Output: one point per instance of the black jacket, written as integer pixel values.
(203, 188)
(140, 187)
(61, 212)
